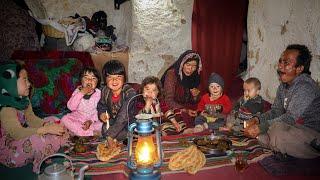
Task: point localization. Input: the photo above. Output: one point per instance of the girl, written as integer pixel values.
(83, 120)
(181, 82)
(152, 91)
(115, 96)
(24, 137)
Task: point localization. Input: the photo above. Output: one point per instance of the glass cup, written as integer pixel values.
(218, 108)
(240, 162)
(209, 109)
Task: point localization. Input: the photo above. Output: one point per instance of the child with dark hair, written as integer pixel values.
(213, 106)
(153, 103)
(249, 105)
(115, 96)
(24, 137)
(291, 127)
(83, 120)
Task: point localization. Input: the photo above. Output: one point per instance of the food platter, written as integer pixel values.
(82, 144)
(213, 146)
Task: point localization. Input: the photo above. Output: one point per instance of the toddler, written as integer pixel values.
(153, 103)
(248, 106)
(213, 106)
(83, 120)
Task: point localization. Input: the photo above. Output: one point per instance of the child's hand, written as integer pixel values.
(55, 129)
(252, 131)
(251, 122)
(86, 90)
(204, 113)
(104, 117)
(176, 125)
(86, 125)
(148, 101)
(246, 98)
(192, 113)
(225, 129)
(194, 92)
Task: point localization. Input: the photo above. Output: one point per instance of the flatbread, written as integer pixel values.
(107, 150)
(190, 159)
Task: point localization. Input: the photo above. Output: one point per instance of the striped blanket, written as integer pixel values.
(170, 147)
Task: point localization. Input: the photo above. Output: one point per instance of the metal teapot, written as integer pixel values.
(59, 171)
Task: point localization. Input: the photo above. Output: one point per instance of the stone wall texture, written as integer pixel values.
(158, 31)
(272, 25)
(56, 9)
(161, 32)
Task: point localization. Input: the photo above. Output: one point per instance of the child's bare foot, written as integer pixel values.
(188, 131)
(197, 129)
(224, 129)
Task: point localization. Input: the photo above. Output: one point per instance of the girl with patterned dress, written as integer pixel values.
(24, 137)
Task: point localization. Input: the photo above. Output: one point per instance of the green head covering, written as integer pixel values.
(8, 88)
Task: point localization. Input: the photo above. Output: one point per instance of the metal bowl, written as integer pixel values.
(216, 147)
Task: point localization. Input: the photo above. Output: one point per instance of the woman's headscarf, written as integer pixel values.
(8, 88)
(191, 81)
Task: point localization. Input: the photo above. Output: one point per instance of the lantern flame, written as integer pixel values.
(145, 152)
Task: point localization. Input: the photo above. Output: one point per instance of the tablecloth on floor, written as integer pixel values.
(118, 164)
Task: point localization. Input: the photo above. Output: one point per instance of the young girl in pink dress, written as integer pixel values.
(83, 120)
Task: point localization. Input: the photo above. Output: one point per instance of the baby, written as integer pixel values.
(248, 106)
(83, 120)
(212, 107)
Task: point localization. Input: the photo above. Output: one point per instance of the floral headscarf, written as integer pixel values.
(191, 81)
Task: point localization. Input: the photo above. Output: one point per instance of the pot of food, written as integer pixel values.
(213, 145)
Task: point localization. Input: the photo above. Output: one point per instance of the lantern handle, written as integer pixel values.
(158, 141)
(130, 137)
(128, 118)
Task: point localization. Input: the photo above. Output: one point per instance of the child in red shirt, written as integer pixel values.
(213, 106)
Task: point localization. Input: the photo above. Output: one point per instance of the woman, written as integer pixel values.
(181, 82)
(24, 137)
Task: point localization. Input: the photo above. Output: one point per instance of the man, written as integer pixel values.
(292, 126)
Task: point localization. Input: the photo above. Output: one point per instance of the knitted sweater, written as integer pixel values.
(297, 103)
(11, 124)
(248, 109)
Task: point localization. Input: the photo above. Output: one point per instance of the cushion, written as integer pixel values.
(54, 76)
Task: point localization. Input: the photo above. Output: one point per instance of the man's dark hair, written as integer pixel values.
(304, 58)
(113, 67)
(92, 70)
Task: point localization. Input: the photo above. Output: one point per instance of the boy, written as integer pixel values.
(212, 107)
(115, 96)
(249, 105)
